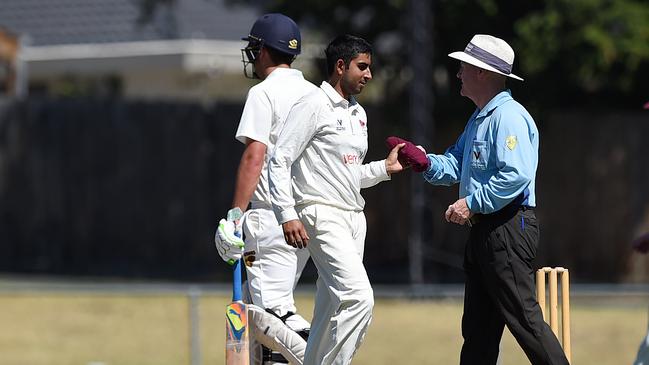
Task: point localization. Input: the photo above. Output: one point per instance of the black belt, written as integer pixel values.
(477, 218)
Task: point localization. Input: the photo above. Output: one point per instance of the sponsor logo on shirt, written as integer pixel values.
(339, 126)
(349, 159)
(479, 155)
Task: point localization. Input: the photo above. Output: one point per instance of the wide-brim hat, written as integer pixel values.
(488, 53)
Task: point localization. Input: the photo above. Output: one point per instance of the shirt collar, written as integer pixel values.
(336, 98)
(284, 71)
(495, 102)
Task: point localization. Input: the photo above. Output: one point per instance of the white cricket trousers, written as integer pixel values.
(277, 267)
(344, 297)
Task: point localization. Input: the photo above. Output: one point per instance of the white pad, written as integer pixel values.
(297, 323)
(274, 334)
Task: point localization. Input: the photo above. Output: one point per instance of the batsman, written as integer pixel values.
(272, 267)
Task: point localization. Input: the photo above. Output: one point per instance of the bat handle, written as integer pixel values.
(234, 215)
(236, 282)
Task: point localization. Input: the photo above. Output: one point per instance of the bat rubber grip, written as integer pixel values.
(234, 215)
(236, 282)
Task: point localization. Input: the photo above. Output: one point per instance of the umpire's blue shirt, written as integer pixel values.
(495, 158)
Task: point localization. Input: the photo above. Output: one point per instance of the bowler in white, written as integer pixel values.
(316, 173)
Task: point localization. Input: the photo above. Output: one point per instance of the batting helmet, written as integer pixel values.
(276, 31)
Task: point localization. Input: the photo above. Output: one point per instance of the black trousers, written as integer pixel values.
(500, 290)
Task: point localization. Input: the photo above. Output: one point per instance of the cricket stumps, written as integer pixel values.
(554, 274)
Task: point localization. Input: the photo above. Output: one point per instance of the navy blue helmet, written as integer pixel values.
(276, 31)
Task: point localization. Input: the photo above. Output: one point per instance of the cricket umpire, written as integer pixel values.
(495, 160)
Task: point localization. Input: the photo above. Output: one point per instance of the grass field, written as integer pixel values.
(112, 329)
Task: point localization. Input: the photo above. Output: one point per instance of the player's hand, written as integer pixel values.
(228, 241)
(458, 212)
(295, 234)
(409, 155)
(392, 163)
(641, 244)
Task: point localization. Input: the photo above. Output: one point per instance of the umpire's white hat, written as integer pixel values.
(489, 53)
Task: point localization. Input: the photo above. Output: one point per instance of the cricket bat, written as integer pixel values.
(237, 333)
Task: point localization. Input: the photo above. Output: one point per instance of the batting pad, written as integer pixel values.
(274, 334)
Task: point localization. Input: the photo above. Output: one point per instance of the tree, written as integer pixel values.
(594, 48)
(570, 51)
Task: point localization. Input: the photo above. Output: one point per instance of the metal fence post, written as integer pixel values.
(193, 296)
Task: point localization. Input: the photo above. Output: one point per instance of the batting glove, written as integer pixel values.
(228, 241)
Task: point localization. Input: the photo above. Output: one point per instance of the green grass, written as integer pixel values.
(53, 329)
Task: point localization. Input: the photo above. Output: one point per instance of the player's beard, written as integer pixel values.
(352, 87)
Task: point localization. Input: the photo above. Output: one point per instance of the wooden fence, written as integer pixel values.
(134, 189)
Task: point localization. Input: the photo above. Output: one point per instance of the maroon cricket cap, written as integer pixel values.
(409, 155)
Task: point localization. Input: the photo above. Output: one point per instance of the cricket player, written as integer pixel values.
(641, 245)
(316, 173)
(273, 268)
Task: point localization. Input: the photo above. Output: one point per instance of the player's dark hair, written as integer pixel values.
(280, 58)
(345, 47)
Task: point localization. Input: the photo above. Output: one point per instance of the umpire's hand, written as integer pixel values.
(295, 234)
(458, 212)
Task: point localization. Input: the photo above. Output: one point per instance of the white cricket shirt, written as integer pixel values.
(267, 105)
(318, 157)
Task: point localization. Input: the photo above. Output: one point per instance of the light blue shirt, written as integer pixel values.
(494, 159)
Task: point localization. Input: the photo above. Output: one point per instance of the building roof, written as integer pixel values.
(60, 22)
(182, 42)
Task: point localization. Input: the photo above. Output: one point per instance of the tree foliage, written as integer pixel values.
(596, 45)
(569, 51)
